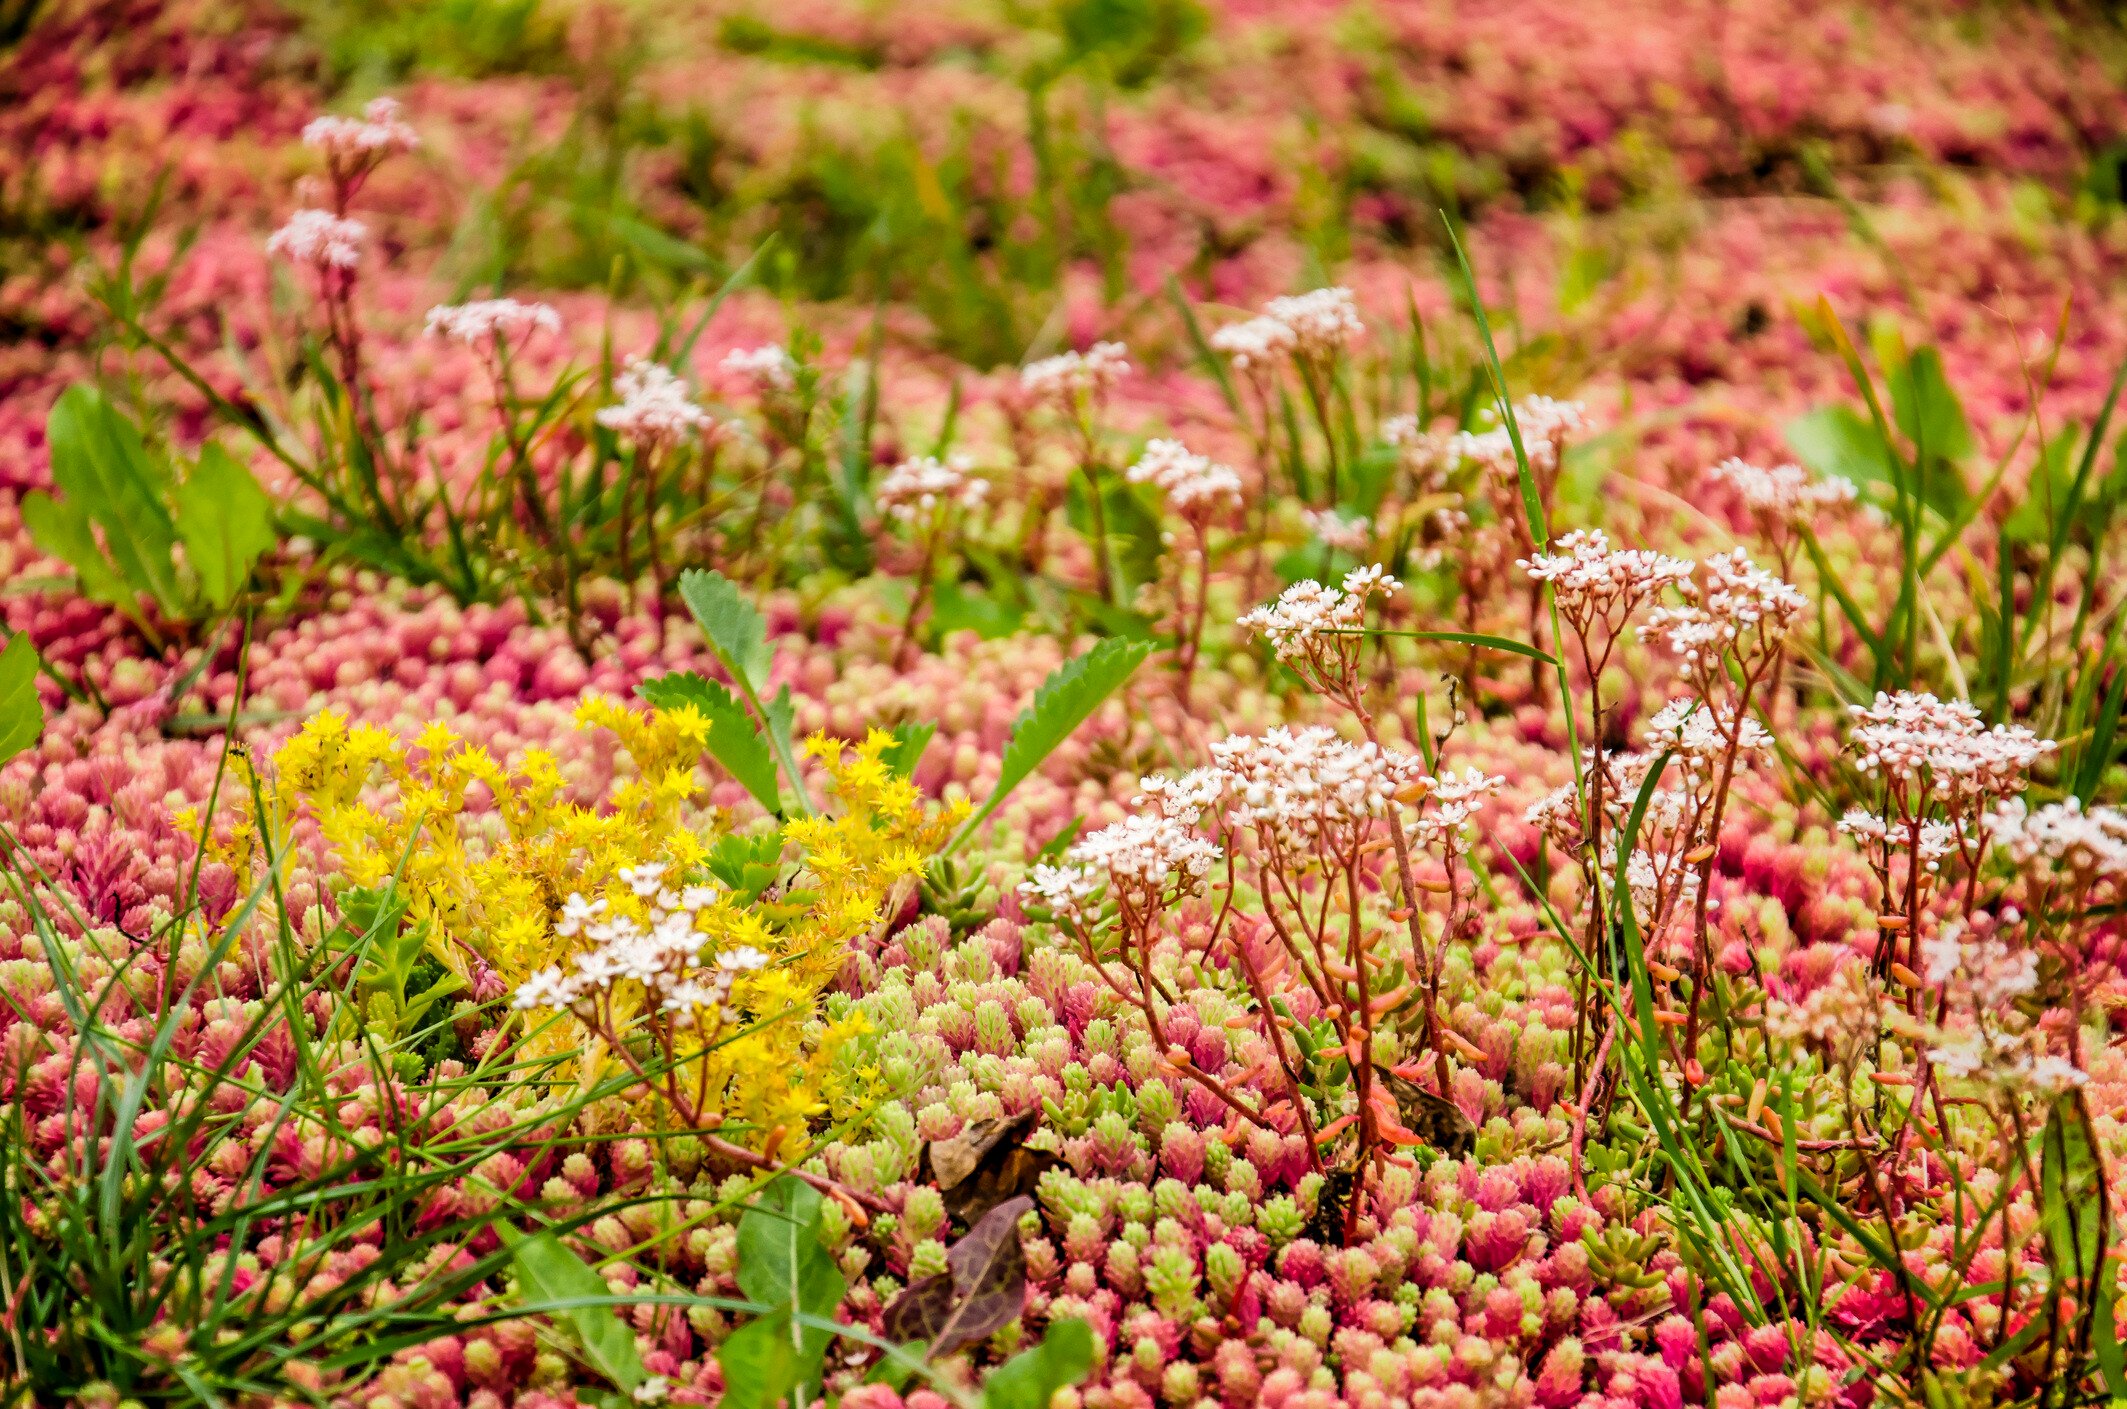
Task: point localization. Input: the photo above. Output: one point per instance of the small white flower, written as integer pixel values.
(320, 238)
(1322, 322)
(1195, 486)
(770, 367)
(1068, 376)
(918, 487)
(1350, 535)
(493, 319)
(654, 408)
(378, 132)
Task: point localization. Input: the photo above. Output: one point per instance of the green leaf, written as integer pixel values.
(1926, 410)
(98, 461)
(739, 637)
(1072, 692)
(1838, 441)
(1478, 639)
(760, 1362)
(911, 738)
(782, 1263)
(225, 522)
(62, 529)
(735, 629)
(2071, 1198)
(548, 1272)
(1031, 1378)
(21, 712)
(733, 741)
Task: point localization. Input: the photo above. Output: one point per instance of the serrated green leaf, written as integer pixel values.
(1071, 693)
(1031, 1378)
(911, 738)
(549, 1273)
(733, 739)
(21, 711)
(225, 522)
(735, 629)
(98, 461)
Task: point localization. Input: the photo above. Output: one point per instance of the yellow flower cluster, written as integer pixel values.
(491, 880)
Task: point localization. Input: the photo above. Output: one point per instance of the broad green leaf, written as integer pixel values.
(782, 1263)
(735, 629)
(1031, 1378)
(548, 1272)
(760, 1362)
(733, 740)
(98, 461)
(225, 521)
(1071, 693)
(2071, 1197)
(21, 712)
(1838, 440)
(62, 529)
(1926, 410)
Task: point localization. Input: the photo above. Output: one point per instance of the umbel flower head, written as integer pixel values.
(379, 132)
(321, 239)
(916, 488)
(1195, 486)
(660, 952)
(499, 321)
(1918, 742)
(1256, 345)
(654, 408)
(1784, 494)
(1070, 377)
(1594, 582)
(1321, 323)
(1734, 607)
(769, 366)
(1307, 612)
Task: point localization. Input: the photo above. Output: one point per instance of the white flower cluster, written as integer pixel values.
(1592, 580)
(1544, 423)
(2008, 1063)
(2062, 835)
(1934, 843)
(662, 953)
(377, 133)
(1140, 852)
(1255, 345)
(1196, 486)
(1307, 610)
(1070, 375)
(654, 408)
(768, 366)
(320, 238)
(1698, 736)
(1454, 801)
(1144, 849)
(1334, 531)
(1732, 596)
(1321, 322)
(498, 319)
(1294, 785)
(918, 487)
(1914, 738)
(1785, 493)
